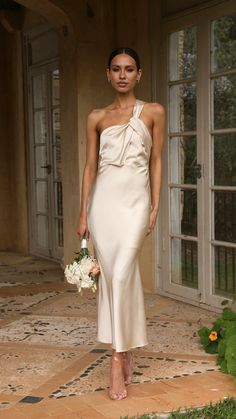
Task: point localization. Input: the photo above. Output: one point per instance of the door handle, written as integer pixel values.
(48, 167)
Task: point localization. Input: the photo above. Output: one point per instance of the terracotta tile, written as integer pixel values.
(95, 399)
(70, 415)
(160, 396)
(147, 389)
(12, 414)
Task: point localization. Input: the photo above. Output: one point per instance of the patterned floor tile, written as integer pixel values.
(147, 369)
(12, 306)
(66, 331)
(160, 307)
(72, 304)
(21, 371)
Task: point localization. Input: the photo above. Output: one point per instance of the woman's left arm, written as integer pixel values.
(155, 163)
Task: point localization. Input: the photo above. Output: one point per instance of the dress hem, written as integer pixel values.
(124, 350)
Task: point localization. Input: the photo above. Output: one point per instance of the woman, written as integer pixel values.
(119, 207)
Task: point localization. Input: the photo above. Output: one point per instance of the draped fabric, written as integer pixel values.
(118, 218)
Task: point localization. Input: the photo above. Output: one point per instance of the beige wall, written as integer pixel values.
(87, 35)
(5, 149)
(97, 36)
(13, 209)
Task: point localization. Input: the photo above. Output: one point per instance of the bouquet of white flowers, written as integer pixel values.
(83, 270)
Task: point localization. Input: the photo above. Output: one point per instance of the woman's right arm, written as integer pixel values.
(90, 171)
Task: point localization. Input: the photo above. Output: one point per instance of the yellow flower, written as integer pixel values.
(213, 336)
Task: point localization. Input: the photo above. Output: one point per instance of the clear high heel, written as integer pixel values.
(128, 367)
(120, 394)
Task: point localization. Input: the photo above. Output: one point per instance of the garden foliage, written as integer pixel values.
(221, 339)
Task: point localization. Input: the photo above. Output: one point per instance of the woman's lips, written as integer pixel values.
(122, 84)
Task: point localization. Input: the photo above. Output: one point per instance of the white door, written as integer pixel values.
(45, 177)
(199, 257)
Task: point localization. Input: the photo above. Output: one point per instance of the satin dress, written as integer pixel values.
(118, 213)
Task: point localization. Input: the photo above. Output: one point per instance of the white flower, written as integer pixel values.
(86, 264)
(81, 273)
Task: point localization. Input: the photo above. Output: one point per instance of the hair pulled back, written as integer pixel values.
(125, 50)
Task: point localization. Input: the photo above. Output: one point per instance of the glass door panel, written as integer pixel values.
(183, 169)
(56, 156)
(46, 176)
(223, 155)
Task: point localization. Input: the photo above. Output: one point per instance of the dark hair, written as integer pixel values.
(125, 50)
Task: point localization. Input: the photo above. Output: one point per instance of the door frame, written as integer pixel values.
(203, 296)
(30, 71)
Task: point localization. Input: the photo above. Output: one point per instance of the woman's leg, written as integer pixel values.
(117, 389)
(128, 367)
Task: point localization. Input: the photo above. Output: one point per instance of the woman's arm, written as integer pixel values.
(155, 164)
(90, 171)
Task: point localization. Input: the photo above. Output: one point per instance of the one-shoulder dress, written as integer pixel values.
(118, 213)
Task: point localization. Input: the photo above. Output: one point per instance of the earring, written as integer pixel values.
(138, 80)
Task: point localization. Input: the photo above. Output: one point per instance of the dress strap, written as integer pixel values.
(138, 108)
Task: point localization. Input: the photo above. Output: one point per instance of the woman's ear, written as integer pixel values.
(139, 75)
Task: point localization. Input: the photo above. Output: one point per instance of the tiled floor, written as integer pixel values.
(51, 365)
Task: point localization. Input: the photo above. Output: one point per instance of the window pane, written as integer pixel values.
(40, 160)
(58, 198)
(55, 88)
(183, 107)
(224, 43)
(225, 216)
(59, 231)
(57, 161)
(39, 91)
(42, 196)
(184, 211)
(184, 266)
(56, 125)
(225, 159)
(42, 231)
(183, 54)
(225, 270)
(224, 91)
(40, 129)
(183, 160)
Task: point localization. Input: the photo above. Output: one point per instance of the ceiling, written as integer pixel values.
(172, 6)
(9, 5)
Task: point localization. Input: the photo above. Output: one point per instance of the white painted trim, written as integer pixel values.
(199, 16)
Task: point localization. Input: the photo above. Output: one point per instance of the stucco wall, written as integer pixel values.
(93, 30)
(13, 208)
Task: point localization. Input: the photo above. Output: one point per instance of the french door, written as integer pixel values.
(45, 172)
(199, 260)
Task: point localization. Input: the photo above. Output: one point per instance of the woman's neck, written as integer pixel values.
(124, 101)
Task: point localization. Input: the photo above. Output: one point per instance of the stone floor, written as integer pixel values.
(51, 365)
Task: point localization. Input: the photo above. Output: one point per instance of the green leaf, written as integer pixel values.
(223, 365)
(212, 348)
(228, 314)
(203, 333)
(230, 330)
(222, 348)
(224, 302)
(230, 354)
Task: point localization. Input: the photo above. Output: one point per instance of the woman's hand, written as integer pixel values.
(152, 220)
(82, 227)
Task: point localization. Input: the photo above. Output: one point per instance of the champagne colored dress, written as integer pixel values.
(118, 217)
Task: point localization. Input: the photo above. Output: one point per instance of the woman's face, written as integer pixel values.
(123, 73)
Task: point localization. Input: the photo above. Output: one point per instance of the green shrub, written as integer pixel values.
(221, 339)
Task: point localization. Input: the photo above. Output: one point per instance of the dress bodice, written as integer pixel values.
(126, 144)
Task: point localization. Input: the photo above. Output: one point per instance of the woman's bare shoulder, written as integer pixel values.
(155, 108)
(97, 114)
